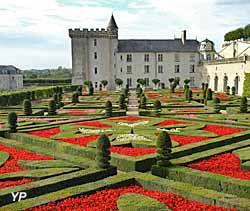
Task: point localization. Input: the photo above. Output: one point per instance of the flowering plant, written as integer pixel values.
(94, 131)
(133, 124)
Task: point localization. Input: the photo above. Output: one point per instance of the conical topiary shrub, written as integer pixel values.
(243, 105)
(164, 144)
(143, 102)
(91, 90)
(75, 97)
(102, 151)
(233, 90)
(79, 90)
(55, 97)
(108, 109)
(12, 122)
(27, 108)
(216, 105)
(189, 95)
(52, 107)
(122, 104)
(228, 90)
(157, 107)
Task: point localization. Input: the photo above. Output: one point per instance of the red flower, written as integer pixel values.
(129, 119)
(165, 98)
(152, 95)
(187, 110)
(222, 130)
(106, 200)
(10, 183)
(79, 112)
(93, 124)
(171, 122)
(11, 164)
(184, 140)
(226, 164)
(82, 141)
(132, 151)
(220, 95)
(45, 133)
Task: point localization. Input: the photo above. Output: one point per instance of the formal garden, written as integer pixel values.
(76, 148)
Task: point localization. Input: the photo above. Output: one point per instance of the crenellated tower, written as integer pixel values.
(94, 54)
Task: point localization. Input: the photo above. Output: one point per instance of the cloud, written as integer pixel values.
(38, 30)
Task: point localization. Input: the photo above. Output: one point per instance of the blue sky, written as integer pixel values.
(34, 34)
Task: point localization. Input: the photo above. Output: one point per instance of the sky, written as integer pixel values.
(34, 33)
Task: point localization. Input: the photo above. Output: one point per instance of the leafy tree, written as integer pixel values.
(118, 82)
(156, 81)
(104, 83)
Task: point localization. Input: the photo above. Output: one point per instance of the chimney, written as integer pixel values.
(184, 37)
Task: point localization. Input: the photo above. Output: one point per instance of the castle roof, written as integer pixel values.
(112, 23)
(175, 45)
(9, 70)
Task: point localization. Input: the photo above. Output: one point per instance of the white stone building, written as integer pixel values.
(11, 78)
(99, 55)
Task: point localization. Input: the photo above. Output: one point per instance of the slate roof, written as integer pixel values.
(158, 46)
(112, 23)
(9, 69)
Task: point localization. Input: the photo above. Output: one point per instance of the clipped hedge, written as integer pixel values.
(246, 87)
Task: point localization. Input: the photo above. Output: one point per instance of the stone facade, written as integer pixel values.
(11, 78)
(99, 55)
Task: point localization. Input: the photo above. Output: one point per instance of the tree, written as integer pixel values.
(163, 153)
(104, 83)
(119, 82)
(12, 122)
(243, 105)
(52, 107)
(186, 82)
(155, 82)
(91, 90)
(27, 108)
(102, 151)
(209, 94)
(87, 83)
(143, 102)
(157, 107)
(233, 90)
(217, 105)
(75, 97)
(108, 109)
(141, 81)
(122, 104)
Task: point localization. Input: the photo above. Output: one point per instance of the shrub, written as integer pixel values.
(102, 151)
(12, 122)
(233, 90)
(79, 90)
(217, 105)
(143, 102)
(209, 94)
(203, 86)
(186, 90)
(228, 90)
(122, 104)
(189, 95)
(55, 97)
(108, 109)
(243, 105)
(139, 91)
(52, 107)
(75, 97)
(164, 144)
(27, 108)
(29, 95)
(157, 107)
(91, 90)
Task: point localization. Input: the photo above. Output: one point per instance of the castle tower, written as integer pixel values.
(207, 50)
(94, 54)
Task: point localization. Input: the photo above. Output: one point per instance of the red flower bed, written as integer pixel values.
(187, 110)
(184, 140)
(10, 183)
(11, 164)
(82, 141)
(93, 124)
(79, 112)
(222, 130)
(152, 95)
(132, 151)
(165, 98)
(106, 200)
(1, 125)
(45, 133)
(171, 122)
(221, 95)
(129, 119)
(226, 164)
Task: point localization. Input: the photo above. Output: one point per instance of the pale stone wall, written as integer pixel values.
(168, 64)
(221, 69)
(239, 47)
(11, 82)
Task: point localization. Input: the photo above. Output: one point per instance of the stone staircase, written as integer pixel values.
(132, 104)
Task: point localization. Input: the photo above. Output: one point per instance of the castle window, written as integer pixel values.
(96, 70)
(96, 85)
(129, 81)
(95, 42)
(129, 69)
(95, 55)
(177, 57)
(192, 68)
(160, 69)
(146, 57)
(208, 57)
(146, 68)
(177, 68)
(129, 57)
(121, 70)
(121, 57)
(160, 58)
